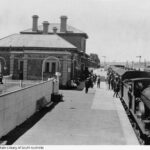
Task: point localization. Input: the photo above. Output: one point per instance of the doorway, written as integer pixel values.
(53, 68)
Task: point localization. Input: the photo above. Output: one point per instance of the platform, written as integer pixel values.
(95, 118)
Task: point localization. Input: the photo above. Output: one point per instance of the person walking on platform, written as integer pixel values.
(112, 83)
(91, 82)
(108, 81)
(116, 87)
(130, 96)
(98, 82)
(87, 85)
(94, 78)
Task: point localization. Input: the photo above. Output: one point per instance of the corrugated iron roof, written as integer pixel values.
(70, 29)
(35, 40)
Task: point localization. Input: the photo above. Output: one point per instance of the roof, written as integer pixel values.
(35, 40)
(70, 29)
(130, 74)
(139, 79)
(135, 74)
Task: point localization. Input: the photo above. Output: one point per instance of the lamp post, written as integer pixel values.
(139, 61)
(145, 63)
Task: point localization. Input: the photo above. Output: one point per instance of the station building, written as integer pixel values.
(38, 53)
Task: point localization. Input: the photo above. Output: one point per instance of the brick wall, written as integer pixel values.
(34, 65)
(34, 70)
(15, 70)
(79, 41)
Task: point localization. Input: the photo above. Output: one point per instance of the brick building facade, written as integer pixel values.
(38, 53)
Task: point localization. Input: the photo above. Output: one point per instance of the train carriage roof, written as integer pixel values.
(130, 74)
(138, 79)
(135, 74)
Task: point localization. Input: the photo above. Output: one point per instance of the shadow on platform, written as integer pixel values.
(14, 134)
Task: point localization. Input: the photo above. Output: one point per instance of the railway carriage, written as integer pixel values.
(135, 94)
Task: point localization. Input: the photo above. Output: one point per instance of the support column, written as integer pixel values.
(12, 64)
(73, 68)
(64, 71)
(25, 64)
(69, 69)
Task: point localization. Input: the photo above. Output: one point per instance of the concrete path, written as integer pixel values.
(95, 118)
(105, 102)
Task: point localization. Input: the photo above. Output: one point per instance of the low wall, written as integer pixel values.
(17, 106)
(55, 87)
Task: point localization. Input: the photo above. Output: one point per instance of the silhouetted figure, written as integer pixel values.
(112, 83)
(87, 85)
(91, 82)
(98, 82)
(116, 88)
(130, 96)
(86, 73)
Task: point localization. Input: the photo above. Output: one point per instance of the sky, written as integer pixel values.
(117, 29)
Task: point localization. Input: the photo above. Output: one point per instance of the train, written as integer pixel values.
(135, 95)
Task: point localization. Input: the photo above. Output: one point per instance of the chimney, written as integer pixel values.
(35, 23)
(54, 30)
(63, 24)
(45, 27)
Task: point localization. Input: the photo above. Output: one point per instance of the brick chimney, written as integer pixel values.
(54, 30)
(45, 27)
(63, 24)
(35, 23)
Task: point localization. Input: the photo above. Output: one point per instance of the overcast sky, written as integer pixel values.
(117, 29)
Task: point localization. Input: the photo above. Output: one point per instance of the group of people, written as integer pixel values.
(91, 80)
(113, 83)
(112, 79)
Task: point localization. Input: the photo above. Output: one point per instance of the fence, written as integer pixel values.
(17, 106)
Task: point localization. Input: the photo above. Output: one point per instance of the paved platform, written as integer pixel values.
(95, 118)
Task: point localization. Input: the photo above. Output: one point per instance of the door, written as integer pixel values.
(47, 67)
(53, 67)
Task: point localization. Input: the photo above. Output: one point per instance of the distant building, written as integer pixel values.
(38, 53)
(95, 59)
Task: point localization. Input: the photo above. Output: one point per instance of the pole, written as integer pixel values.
(145, 63)
(139, 61)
